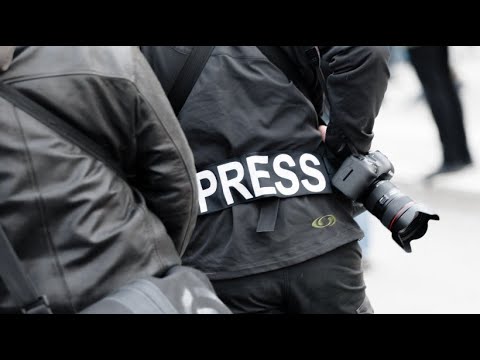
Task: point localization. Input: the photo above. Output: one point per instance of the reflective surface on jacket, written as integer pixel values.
(244, 104)
(79, 229)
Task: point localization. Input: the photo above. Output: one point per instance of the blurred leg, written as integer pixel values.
(432, 67)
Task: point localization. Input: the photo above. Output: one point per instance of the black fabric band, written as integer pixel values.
(188, 76)
(261, 175)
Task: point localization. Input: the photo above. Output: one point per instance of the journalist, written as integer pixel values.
(272, 235)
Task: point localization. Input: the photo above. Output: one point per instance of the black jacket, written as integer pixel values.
(80, 230)
(243, 104)
(356, 81)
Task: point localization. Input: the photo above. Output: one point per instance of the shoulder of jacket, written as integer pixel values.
(53, 61)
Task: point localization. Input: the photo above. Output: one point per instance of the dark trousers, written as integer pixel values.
(328, 284)
(433, 70)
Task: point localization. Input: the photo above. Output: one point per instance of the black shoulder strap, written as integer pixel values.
(188, 76)
(18, 282)
(60, 126)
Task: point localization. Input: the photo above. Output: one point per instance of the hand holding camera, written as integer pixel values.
(365, 178)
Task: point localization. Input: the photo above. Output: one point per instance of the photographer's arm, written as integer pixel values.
(356, 81)
(165, 164)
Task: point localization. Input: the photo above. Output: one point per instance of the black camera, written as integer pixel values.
(365, 178)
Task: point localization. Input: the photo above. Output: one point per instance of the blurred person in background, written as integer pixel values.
(431, 64)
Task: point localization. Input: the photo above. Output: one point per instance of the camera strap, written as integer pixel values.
(188, 76)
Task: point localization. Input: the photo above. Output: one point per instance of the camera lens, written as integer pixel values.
(406, 219)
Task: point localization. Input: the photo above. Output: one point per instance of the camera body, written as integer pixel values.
(365, 179)
(358, 172)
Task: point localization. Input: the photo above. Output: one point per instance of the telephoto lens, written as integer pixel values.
(405, 218)
(365, 178)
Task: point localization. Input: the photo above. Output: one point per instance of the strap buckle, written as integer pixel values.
(39, 306)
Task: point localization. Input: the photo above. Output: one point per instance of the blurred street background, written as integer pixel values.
(442, 274)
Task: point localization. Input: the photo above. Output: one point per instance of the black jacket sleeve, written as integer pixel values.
(167, 175)
(356, 81)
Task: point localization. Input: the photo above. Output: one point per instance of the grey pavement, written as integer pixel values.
(442, 274)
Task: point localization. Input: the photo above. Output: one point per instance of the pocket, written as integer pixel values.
(365, 307)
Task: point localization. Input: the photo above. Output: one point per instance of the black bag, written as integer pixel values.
(183, 290)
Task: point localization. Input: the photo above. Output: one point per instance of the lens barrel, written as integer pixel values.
(406, 219)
